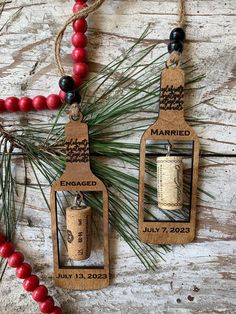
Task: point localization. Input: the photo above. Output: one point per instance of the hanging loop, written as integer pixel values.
(174, 59)
(79, 198)
(75, 114)
(169, 147)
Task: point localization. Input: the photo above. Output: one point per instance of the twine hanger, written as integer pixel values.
(175, 56)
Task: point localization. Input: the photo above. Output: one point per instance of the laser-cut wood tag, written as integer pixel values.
(170, 126)
(78, 178)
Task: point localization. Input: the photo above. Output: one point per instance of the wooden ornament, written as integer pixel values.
(170, 126)
(78, 178)
(78, 224)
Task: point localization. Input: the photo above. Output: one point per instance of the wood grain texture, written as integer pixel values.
(197, 278)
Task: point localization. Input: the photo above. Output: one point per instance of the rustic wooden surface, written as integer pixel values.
(199, 277)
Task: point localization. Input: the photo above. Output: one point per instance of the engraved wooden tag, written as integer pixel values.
(170, 126)
(78, 177)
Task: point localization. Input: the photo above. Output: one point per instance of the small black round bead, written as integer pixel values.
(66, 83)
(72, 97)
(177, 34)
(175, 46)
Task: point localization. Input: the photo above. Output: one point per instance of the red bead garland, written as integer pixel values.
(31, 282)
(80, 70)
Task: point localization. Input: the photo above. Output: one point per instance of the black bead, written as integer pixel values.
(175, 46)
(67, 84)
(72, 97)
(177, 34)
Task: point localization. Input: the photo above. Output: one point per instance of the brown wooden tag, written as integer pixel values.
(170, 126)
(78, 177)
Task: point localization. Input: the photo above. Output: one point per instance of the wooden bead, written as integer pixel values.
(53, 102)
(79, 54)
(78, 80)
(175, 46)
(6, 249)
(31, 283)
(40, 294)
(2, 106)
(16, 259)
(177, 34)
(72, 97)
(23, 271)
(25, 104)
(2, 238)
(11, 104)
(39, 102)
(80, 25)
(66, 83)
(81, 69)
(79, 40)
(47, 306)
(56, 310)
(78, 6)
(62, 95)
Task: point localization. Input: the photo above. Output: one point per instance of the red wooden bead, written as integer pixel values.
(2, 238)
(31, 283)
(78, 6)
(78, 80)
(6, 249)
(53, 102)
(16, 259)
(39, 102)
(25, 104)
(79, 40)
(23, 271)
(79, 54)
(62, 95)
(56, 310)
(40, 294)
(11, 104)
(81, 69)
(47, 306)
(2, 106)
(80, 25)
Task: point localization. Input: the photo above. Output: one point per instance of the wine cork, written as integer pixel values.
(170, 182)
(78, 223)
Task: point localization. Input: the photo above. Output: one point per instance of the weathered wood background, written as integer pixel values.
(199, 277)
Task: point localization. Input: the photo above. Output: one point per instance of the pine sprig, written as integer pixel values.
(119, 103)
